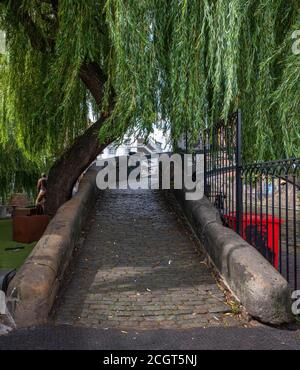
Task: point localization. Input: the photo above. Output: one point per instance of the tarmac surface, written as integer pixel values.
(214, 338)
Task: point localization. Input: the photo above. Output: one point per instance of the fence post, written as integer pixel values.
(205, 164)
(239, 184)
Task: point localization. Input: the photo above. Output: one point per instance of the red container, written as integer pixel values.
(28, 229)
(261, 231)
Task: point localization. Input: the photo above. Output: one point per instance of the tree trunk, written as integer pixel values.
(67, 169)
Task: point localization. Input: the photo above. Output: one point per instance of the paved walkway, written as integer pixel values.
(140, 268)
(80, 338)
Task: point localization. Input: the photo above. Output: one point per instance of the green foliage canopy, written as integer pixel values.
(184, 63)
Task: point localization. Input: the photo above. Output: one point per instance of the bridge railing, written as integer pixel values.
(260, 201)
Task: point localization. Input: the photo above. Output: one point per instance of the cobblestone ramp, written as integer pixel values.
(139, 268)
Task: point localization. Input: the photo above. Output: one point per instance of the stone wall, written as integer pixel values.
(264, 293)
(35, 286)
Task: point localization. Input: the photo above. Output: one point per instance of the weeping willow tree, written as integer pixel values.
(184, 63)
(17, 173)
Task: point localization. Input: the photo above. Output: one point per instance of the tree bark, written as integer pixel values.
(93, 78)
(67, 169)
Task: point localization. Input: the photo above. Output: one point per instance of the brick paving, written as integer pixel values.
(139, 267)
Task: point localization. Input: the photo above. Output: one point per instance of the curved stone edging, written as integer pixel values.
(261, 289)
(34, 288)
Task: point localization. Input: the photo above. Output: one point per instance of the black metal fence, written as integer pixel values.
(260, 201)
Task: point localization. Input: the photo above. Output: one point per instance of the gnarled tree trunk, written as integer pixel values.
(67, 169)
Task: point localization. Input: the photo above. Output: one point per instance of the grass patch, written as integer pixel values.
(11, 259)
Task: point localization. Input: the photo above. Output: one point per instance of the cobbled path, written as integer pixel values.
(139, 267)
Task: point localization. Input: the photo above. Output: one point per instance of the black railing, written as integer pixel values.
(260, 201)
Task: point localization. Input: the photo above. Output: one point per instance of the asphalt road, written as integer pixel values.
(78, 338)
